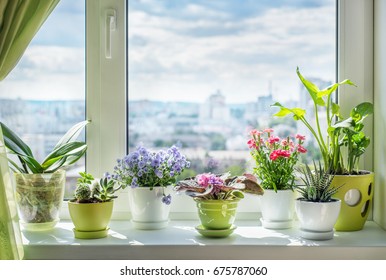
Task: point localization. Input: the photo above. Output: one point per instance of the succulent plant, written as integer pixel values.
(88, 190)
(317, 184)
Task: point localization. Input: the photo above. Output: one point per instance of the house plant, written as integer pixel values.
(217, 198)
(341, 146)
(275, 161)
(150, 176)
(92, 206)
(316, 210)
(40, 186)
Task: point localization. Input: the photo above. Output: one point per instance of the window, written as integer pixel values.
(231, 43)
(45, 94)
(202, 74)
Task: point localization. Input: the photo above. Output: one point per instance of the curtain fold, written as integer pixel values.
(20, 20)
(11, 245)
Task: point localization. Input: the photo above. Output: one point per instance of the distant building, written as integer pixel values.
(261, 110)
(215, 109)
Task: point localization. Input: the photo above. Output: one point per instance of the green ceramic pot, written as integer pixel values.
(357, 195)
(217, 214)
(91, 219)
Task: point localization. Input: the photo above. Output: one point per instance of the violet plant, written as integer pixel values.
(208, 186)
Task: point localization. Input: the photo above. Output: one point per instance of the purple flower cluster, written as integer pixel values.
(145, 168)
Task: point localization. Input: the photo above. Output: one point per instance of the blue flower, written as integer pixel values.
(134, 182)
(155, 162)
(142, 151)
(167, 199)
(158, 173)
(144, 168)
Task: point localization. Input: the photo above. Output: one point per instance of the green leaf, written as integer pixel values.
(72, 150)
(311, 87)
(347, 123)
(335, 109)
(330, 89)
(361, 111)
(14, 143)
(238, 194)
(298, 113)
(72, 134)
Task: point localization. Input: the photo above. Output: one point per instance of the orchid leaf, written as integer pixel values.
(14, 143)
(72, 134)
(65, 153)
(72, 149)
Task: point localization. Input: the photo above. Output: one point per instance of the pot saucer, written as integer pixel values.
(276, 224)
(216, 233)
(316, 235)
(90, 234)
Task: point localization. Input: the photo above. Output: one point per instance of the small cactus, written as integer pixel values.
(82, 192)
(90, 191)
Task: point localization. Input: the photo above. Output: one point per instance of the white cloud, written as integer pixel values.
(47, 72)
(239, 62)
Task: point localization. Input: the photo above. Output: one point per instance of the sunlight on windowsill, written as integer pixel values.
(181, 240)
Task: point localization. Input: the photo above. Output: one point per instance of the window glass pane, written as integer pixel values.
(203, 73)
(45, 94)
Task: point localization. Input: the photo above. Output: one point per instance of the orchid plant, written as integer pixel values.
(343, 136)
(275, 158)
(208, 186)
(149, 169)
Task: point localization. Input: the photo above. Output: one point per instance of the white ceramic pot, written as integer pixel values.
(277, 209)
(317, 219)
(147, 209)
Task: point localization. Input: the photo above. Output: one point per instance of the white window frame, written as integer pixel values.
(106, 87)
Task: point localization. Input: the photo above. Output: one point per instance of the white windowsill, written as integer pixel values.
(181, 241)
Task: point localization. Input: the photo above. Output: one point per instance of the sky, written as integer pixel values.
(186, 50)
(53, 65)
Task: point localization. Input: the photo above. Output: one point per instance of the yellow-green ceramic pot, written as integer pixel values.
(356, 195)
(217, 214)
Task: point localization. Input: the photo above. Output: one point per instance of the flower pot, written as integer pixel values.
(91, 219)
(217, 214)
(317, 219)
(357, 195)
(277, 209)
(147, 209)
(39, 199)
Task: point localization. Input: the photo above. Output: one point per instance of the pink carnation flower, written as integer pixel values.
(279, 153)
(300, 137)
(301, 149)
(273, 140)
(254, 132)
(252, 144)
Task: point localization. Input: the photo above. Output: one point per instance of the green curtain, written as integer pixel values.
(19, 22)
(11, 246)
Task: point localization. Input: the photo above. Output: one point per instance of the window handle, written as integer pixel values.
(111, 24)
